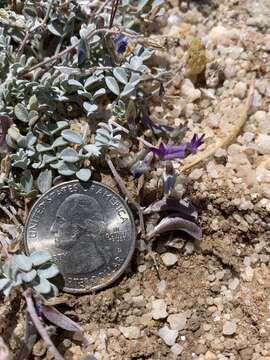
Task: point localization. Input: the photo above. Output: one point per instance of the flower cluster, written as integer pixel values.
(172, 152)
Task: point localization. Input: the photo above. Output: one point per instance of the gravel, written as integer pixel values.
(168, 336)
(177, 321)
(229, 328)
(159, 309)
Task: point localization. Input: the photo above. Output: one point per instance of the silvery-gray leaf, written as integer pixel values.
(128, 89)
(98, 93)
(3, 283)
(174, 222)
(135, 78)
(23, 262)
(90, 81)
(48, 272)
(112, 85)
(43, 147)
(54, 290)
(186, 210)
(30, 139)
(44, 180)
(47, 159)
(69, 155)
(83, 174)
(40, 257)
(59, 319)
(14, 133)
(90, 108)
(72, 136)
(27, 180)
(54, 29)
(44, 286)
(33, 103)
(33, 117)
(92, 149)
(59, 142)
(169, 178)
(104, 133)
(75, 84)
(67, 169)
(29, 276)
(136, 62)
(121, 75)
(57, 164)
(21, 113)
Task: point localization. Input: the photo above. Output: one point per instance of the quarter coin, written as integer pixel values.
(88, 229)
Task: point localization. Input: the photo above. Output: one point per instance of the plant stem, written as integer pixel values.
(40, 328)
(146, 143)
(70, 48)
(31, 31)
(125, 191)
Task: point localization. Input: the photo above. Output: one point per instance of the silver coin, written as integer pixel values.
(88, 229)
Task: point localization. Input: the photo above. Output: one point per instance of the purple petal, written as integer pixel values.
(59, 319)
(186, 210)
(174, 222)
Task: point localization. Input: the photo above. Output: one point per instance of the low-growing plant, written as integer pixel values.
(76, 89)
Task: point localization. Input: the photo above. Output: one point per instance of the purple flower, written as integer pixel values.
(171, 152)
(121, 44)
(194, 143)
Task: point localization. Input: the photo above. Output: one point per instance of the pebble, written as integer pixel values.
(196, 174)
(263, 144)
(169, 259)
(262, 175)
(234, 283)
(159, 309)
(189, 248)
(161, 286)
(177, 321)
(177, 349)
(189, 92)
(240, 89)
(169, 336)
(220, 35)
(130, 332)
(209, 355)
(229, 328)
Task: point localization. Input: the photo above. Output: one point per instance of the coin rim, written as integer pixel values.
(133, 236)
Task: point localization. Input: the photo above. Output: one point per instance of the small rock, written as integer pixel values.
(229, 328)
(169, 336)
(169, 259)
(246, 354)
(162, 286)
(189, 92)
(159, 309)
(249, 272)
(210, 356)
(196, 174)
(263, 144)
(177, 321)
(262, 175)
(130, 332)
(220, 35)
(189, 248)
(233, 284)
(177, 349)
(240, 89)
